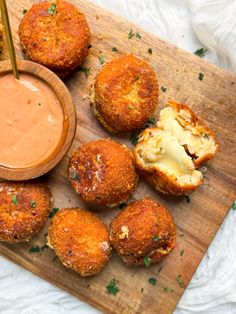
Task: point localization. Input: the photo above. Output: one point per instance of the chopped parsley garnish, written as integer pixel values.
(32, 203)
(134, 139)
(131, 34)
(114, 49)
(141, 290)
(39, 104)
(37, 249)
(112, 287)
(138, 35)
(180, 282)
(187, 197)
(150, 51)
(200, 52)
(122, 205)
(74, 176)
(200, 76)
(85, 70)
(14, 199)
(156, 238)
(151, 120)
(181, 253)
(52, 8)
(234, 206)
(101, 59)
(163, 89)
(166, 289)
(152, 281)
(147, 261)
(24, 11)
(53, 212)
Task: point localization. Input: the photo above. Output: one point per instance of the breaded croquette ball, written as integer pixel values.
(55, 35)
(80, 240)
(125, 94)
(143, 233)
(169, 155)
(24, 208)
(102, 172)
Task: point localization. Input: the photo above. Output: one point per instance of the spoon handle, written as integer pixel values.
(6, 24)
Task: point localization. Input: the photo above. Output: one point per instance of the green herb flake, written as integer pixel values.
(156, 238)
(74, 176)
(181, 253)
(52, 8)
(44, 247)
(114, 49)
(188, 200)
(134, 139)
(112, 287)
(201, 76)
(53, 212)
(200, 52)
(233, 206)
(151, 120)
(166, 289)
(138, 35)
(38, 249)
(152, 281)
(141, 290)
(163, 89)
(180, 282)
(147, 261)
(85, 70)
(101, 59)
(150, 51)
(131, 34)
(122, 205)
(34, 249)
(14, 199)
(32, 203)
(24, 11)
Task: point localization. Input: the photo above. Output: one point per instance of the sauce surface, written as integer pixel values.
(31, 121)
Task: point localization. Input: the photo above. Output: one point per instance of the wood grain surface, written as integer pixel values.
(213, 98)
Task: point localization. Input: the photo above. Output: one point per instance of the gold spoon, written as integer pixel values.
(10, 45)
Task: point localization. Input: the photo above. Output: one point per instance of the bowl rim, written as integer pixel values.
(69, 121)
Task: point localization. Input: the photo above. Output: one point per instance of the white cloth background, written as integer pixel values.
(190, 24)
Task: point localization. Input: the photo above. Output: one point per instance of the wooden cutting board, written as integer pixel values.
(213, 98)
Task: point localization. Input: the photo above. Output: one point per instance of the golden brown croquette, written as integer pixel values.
(169, 155)
(80, 240)
(24, 208)
(102, 172)
(125, 94)
(55, 35)
(143, 233)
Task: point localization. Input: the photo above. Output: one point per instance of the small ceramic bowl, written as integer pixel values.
(69, 121)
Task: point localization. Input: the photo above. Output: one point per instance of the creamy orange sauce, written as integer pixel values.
(31, 121)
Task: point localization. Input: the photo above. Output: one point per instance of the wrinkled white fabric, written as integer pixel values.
(190, 24)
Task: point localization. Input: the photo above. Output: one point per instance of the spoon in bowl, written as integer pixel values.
(7, 28)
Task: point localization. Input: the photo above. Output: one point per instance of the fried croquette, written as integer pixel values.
(143, 233)
(102, 172)
(125, 94)
(169, 155)
(24, 208)
(80, 240)
(55, 35)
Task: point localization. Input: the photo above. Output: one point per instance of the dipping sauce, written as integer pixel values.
(31, 121)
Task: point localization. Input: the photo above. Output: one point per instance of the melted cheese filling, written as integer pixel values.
(164, 151)
(198, 143)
